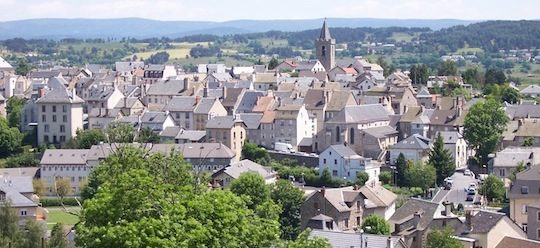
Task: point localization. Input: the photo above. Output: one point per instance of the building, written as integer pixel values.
(228, 130)
(69, 164)
(224, 177)
(19, 192)
(456, 144)
(153, 73)
(344, 163)
(524, 192)
(415, 148)
(325, 48)
(507, 160)
(379, 201)
(292, 124)
(60, 113)
(339, 239)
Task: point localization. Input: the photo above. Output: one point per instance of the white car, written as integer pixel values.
(467, 172)
(471, 189)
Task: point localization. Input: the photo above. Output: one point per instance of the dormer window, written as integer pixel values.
(524, 190)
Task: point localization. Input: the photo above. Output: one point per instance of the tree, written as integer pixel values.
(484, 124)
(447, 68)
(254, 153)
(473, 76)
(442, 239)
(401, 168)
(361, 178)
(14, 109)
(375, 224)
(387, 68)
(273, 64)
(57, 239)
(39, 187)
(519, 168)
(9, 224)
(158, 58)
(119, 132)
(493, 189)
(528, 142)
(510, 95)
(441, 159)
(495, 76)
(146, 135)
(10, 139)
(290, 198)
(33, 233)
(85, 139)
(252, 186)
(419, 74)
(385, 177)
(304, 240)
(421, 175)
(23, 67)
(62, 187)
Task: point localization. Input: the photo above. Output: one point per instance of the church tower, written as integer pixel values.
(326, 48)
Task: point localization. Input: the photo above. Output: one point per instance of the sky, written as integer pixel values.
(224, 10)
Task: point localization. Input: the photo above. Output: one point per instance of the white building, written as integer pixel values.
(60, 113)
(456, 144)
(292, 124)
(416, 148)
(344, 163)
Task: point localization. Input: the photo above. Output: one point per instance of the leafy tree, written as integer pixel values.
(326, 178)
(528, 142)
(361, 178)
(10, 139)
(25, 159)
(23, 67)
(39, 187)
(473, 76)
(14, 109)
(85, 139)
(510, 95)
(290, 198)
(273, 64)
(119, 132)
(442, 239)
(421, 175)
(387, 67)
(254, 153)
(419, 74)
(493, 189)
(401, 167)
(158, 58)
(484, 125)
(495, 76)
(376, 224)
(252, 186)
(57, 239)
(519, 168)
(62, 187)
(9, 227)
(304, 240)
(33, 233)
(146, 135)
(385, 177)
(441, 159)
(447, 68)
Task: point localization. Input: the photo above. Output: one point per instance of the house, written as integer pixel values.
(154, 73)
(69, 164)
(362, 65)
(339, 239)
(523, 192)
(415, 148)
(103, 98)
(527, 129)
(379, 200)
(532, 90)
(161, 92)
(415, 120)
(426, 99)
(286, 66)
(181, 109)
(216, 80)
(19, 192)
(522, 111)
(292, 123)
(511, 242)
(179, 135)
(398, 79)
(130, 106)
(344, 163)
(401, 98)
(248, 101)
(59, 113)
(338, 70)
(532, 227)
(228, 130)
(156, 121)
(211, 68)
(446, 120)
(344, 206)
(488, 229)
(231, 98)
(224, 177)
(265, 81)
(507, 160)
(253, 126)
(203, 157)
(100, 118)
(206, 109)
(310, 65)
(456, 144)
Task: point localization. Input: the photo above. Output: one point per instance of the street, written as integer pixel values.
(457, 193)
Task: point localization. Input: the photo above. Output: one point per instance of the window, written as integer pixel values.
(43, 118)
(358, 205)
(46, 138)
(324, 160)
(538, 233)
(73, 179)
(54, 118)
(46, 128)
(524, 190)
(338, 134)
(62, 128)
(346, 223)
(334, 173)
(351, 136)
(358, 221)
(335, 161)
(323, 51)
(64, 118)
(2, 196)
(43, 108)
(23, 212)
(524, 227)
(64, 108)
(502, 172)
(63, 139)
(54, 108)
(524, 209)
(538, 216)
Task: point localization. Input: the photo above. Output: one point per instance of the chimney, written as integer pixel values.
(323, 190)
(416, 218)
(468, 220)
(205, 91)
(389, 243)
(197, 100)
(520, 123)
(447, 208)
(186, 83)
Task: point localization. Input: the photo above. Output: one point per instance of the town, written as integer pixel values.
(323, 152)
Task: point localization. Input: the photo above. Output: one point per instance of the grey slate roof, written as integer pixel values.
(450, 137)
(100, 94)
(64, 156)
(154, 117)
(196, 150)
(252, 120)
(181, 104)
(191, 135)
(13, 187)
(355, 240)
(380, 132)
(361, 114)
(325, 32)
(484, 221)
(59, 93)
(343, 151)
(249, 100)
(236, 169)
(204, 106)
(531, 89)
(415, 141)
(128, 66)
(221, 122)
(522, 111)
(166, 87)
(19, 171)
(170, 132)
(427, 210)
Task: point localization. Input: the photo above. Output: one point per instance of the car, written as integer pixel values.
(470, 197)
(449, 180)
(467, 172)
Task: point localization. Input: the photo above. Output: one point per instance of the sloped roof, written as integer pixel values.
(205, 105)
(518, 111)
(232, 95)
(426, 209)
(325, 32)
(338, 100)
(450, 137)
(361, 114)
(236, 169)
(13, 187)
(181, 104)
(314, 99)
(415, 141)
(531, 89)
(4, 64)
(64, 156)
(424, 93)
(484, 221)
(59, 93)
(252, 120)
(191, 135)
(170, 132)
(528, 129)
(249, 100)
(380, 132)
(154, 117)
(220, 122)
(378, 196)
(511, 242)
(169, 87)
(339, 239)
(343, 151)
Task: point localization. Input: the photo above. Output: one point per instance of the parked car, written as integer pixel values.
(471, 189)
(467, 172)
(470, 197)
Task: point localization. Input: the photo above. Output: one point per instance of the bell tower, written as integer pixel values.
(325, 48)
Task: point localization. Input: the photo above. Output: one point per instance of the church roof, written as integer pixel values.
(325, 32)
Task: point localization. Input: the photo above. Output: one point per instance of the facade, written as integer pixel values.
(456, 144)
(19, 191)
(415, 148)
(523, 193)
(60, 113)
(325, 48)
(293, 123)
(153, 73)
(224, 177)
(343, 163)
(228, 130)
(69, 164)
(508, 159)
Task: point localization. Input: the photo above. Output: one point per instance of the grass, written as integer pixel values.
(402, 37)
(57, 214)
(469, 50)
(176, 53)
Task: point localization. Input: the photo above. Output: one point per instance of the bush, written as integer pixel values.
(55, 202)
(385, 177)
(22, 160)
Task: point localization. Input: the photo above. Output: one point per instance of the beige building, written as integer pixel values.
(524, 193)
(207, 108)
(60, 113)
(228, 130)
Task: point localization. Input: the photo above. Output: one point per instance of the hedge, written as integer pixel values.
(55, 202)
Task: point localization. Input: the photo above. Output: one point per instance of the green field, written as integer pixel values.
(57, 214)
(469, 50)
(402, 37)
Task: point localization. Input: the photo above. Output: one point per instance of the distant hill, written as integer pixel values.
(145, 28)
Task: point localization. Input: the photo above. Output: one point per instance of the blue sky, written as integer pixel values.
(222, 10)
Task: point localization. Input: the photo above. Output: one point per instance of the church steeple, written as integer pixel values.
(325, 32)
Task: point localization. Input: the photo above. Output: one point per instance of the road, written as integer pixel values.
(457, 193)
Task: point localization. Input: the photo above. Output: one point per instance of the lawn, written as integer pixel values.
(402, 37)
(468, 50)
(57, 214)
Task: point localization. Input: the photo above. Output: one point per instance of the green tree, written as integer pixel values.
(421, 175)
(519, 168)
(441, 159)
(473, 76)
(419, 74)
(10, 139)
(252, 186)
(85, 139)
(254, 153)
(9, 227)
(510, 95)
(62, 187)
(447, 68)
(304, 240)
(401, 168)
(376, 224)
(57, 239)
(119, 132)
(14, 109)
(385, 177)
(23, 67)
(146, 135)
(442, 239)
(387, 67)
(495, 76)
(33, 234)
(39, 187)
(273, 64)
(361, 178)
(493, 189)
(290, 198)
(326, 178)
(484, 124)
(528, 142)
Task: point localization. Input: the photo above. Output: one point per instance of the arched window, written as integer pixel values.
(351, 136)
(338, 134)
